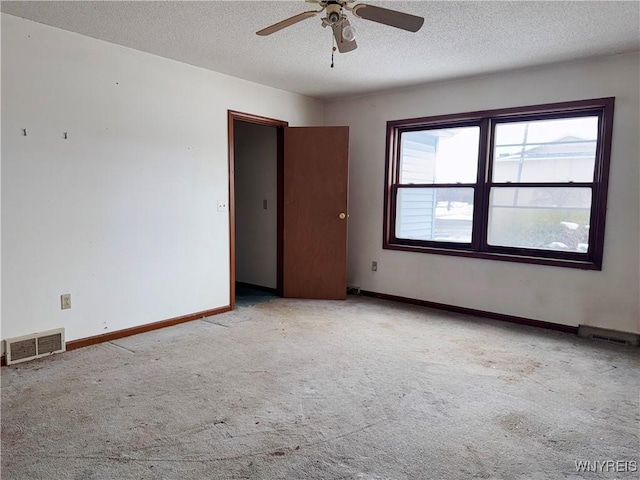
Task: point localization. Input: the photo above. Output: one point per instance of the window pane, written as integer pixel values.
(541, 218)
(545, 150)
(448, 155)
(438, 214)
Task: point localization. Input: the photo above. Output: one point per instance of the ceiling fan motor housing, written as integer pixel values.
(334, 12)
(333, 18)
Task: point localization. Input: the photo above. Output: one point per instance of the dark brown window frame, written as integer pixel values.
(487, 119)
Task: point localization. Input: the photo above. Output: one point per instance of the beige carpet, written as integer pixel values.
(291, 389)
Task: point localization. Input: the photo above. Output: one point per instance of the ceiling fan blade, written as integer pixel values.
(343, 45)
(393, 18)
(286, 23)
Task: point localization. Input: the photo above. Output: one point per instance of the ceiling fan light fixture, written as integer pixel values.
(349, 33)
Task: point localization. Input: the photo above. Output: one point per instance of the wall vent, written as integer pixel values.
(36, 345)
(613, 336)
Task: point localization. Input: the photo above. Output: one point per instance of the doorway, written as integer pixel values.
(311, 208)
(255, 207)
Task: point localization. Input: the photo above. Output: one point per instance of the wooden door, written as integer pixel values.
(315, 212)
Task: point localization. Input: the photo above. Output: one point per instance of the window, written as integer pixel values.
(526, 184)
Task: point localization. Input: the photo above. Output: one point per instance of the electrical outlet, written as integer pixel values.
(65, 301)
(374, 266)
(222, 205)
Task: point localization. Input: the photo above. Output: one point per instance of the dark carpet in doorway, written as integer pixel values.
(247, 296)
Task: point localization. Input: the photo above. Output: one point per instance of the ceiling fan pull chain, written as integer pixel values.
(341, 24)
(333, 50)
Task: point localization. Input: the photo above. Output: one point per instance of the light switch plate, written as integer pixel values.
(65, 301)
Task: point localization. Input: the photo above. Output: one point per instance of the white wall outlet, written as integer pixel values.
(374, 266)
(222, 206)
(65, 301)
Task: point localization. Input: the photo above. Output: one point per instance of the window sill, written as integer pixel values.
(505, 257)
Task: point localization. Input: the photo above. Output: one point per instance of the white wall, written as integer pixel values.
(607, 298)
(256, 180)
(122, 215)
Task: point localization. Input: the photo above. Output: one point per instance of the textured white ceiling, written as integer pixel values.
(458, 39)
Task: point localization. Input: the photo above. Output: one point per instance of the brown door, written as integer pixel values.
(315, 212)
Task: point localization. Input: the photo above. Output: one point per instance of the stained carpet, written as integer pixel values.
(294, 389)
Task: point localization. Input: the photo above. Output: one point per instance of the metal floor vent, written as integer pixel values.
(30, 347)
(610, 339)
(613, 336)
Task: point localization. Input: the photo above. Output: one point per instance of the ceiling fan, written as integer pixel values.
(343, 32)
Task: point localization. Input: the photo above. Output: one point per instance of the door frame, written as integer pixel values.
(280, 125)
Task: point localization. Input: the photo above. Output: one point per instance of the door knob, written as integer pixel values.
(342, 216)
